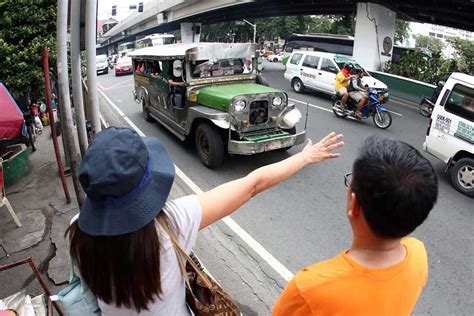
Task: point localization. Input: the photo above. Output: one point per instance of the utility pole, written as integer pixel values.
(76, 75)
(65, 106)
(254, 29)
(91, 35)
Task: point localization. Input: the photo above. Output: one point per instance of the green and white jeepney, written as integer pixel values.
(224, 109)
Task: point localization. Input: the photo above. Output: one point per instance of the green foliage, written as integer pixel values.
(433, 44)
(402, 31)
(25, 28)
(464, 53)
(418, 66)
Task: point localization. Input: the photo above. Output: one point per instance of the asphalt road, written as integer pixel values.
(303, 220)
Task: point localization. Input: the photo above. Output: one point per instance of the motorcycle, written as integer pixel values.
(381, 117)
(426, 106)
(427, 103)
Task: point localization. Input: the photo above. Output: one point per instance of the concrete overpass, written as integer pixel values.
(375, 19)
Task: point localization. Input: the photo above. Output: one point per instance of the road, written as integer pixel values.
(303, 219)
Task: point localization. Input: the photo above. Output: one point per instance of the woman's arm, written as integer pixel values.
(228, 197)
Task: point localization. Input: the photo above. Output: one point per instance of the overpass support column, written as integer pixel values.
(374, 35)
(190, 32)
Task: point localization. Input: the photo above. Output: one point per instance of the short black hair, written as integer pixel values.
(395, 186)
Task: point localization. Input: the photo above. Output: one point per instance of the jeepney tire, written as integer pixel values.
(146, 112)
(297, 85)
(291, 131)
(460, 178)
(209, 145)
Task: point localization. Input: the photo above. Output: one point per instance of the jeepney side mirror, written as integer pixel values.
(260, 66)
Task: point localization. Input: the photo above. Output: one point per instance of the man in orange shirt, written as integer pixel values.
(391, 190)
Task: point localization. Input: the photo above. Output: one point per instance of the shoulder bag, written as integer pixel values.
(204, 296)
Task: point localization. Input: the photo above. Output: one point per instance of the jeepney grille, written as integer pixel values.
(258, 112)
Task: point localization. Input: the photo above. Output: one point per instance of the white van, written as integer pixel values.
(101, 64)
(317, 71)
(450, 135)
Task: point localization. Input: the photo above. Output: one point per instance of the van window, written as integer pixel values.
(328, 65)
(295, 60)
(461, 102)
(311, 61)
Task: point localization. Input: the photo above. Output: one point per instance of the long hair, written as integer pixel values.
(123, 270)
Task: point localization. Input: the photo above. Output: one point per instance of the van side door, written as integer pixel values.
(327, 75)
(309, 71)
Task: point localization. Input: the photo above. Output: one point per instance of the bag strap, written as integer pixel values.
(180, 252)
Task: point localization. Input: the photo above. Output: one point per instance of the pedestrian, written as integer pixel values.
(391, 191)
(125, 258)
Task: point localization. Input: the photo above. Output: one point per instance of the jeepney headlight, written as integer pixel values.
(277, 101)
(239, 105)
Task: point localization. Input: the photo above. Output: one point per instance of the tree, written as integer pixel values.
(402, 31)
(25, 27)
(464, 53)
(433, 44)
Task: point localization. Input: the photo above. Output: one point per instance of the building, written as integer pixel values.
(443, 33)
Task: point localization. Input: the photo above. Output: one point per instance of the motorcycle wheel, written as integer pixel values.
(426, 109)
(382, 120)
(338, 110)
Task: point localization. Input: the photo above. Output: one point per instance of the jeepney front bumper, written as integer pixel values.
(260, 144)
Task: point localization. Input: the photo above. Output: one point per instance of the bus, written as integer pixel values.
(332, 43)
(126, 48)
(155, 40)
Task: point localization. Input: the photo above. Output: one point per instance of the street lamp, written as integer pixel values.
(254, 29)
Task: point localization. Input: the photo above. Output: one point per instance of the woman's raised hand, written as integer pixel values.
(323, 149)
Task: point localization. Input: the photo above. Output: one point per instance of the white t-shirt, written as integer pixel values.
(186, 213)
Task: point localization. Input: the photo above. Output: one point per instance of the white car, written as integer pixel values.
(317, 71)
(450, 136)
(276, 57)
(101, 64)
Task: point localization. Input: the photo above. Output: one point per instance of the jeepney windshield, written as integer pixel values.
(221, 67)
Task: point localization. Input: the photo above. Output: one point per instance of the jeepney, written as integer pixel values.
(224, 109)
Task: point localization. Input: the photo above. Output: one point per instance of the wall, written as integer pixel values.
(401, 87)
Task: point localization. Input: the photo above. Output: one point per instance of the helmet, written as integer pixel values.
(347, 66)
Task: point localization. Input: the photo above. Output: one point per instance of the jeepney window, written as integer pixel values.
(218, 68)
(461, 102)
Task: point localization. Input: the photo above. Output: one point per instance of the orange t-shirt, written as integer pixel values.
(341, 286)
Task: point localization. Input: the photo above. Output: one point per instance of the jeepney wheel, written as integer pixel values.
(146, 112)
(209, 145)
(462, 176)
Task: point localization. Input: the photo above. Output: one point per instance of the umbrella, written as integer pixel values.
(11, 118)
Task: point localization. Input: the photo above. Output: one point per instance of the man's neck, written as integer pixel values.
(374, 252)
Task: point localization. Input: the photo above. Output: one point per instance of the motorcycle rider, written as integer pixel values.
(342, 83)
(357, 91)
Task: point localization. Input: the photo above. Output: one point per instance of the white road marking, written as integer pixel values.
(328, 110)
(236, 228)
(104, 122)
(311, 105)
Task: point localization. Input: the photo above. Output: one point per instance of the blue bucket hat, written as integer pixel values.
(127, 180)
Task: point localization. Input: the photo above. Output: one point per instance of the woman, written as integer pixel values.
(121, 253)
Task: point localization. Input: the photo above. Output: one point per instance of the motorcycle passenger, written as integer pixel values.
(357, 91)
(342, 83)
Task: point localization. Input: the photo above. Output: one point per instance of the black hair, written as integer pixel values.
(395, 186)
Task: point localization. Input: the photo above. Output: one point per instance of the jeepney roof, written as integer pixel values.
(197, 51)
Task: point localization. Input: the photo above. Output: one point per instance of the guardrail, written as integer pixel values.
(405, 88)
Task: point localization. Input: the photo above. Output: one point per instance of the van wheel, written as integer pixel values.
(462, 176)
(209, 145)
(297, 85)
(275, 60)
(146, 112)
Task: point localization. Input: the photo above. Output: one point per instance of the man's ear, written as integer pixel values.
(354, 206)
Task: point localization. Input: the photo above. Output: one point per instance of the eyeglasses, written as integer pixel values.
(348, 179)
